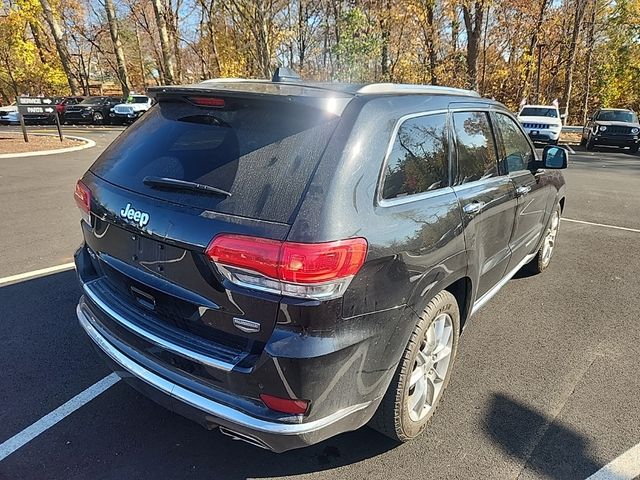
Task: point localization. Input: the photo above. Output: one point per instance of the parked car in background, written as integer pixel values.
(130, 111)
(542, 123)
(94, 110)
(614, 127)
(9, 115)
(63, 102)
(289, 262)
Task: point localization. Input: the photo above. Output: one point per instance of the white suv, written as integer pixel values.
(541, 122)
(128, 112)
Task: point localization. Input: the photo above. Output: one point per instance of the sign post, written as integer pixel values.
(22, 126)
(37, 107)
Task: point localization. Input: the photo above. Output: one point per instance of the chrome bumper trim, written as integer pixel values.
(155, 339)
(228, 416)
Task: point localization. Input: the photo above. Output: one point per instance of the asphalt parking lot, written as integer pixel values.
(545, 385)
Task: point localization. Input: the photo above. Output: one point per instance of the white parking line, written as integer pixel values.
(35, 273)
(49, 420)
(626, 229)
(625, 467)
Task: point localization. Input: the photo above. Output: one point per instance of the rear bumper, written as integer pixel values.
(273, 435)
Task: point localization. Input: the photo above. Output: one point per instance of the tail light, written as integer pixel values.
(285, 405)
(305, 270)
(82, 196)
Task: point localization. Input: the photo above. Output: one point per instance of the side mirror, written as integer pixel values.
(554, 157)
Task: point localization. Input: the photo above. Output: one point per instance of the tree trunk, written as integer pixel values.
(473, 19)
(61, 46)
(37, 39)
(431, 49)
(532, 47)
(140, 60)
(568, 76)
(165, 45)
(587, 73)
(385, 31)
(123, 76)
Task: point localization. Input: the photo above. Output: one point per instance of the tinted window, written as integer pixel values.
(517, 151)
(418, 161)
(137, 99)
(617, 116)
(261, 151)
(539, 112)
(475, 147)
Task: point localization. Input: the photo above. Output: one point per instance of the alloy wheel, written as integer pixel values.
(550, 238)
(430, 368)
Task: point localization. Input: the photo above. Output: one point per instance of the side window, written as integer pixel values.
(418, 161)
(518, 154)
(477, 158)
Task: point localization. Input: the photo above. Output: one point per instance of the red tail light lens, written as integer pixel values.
(207, 101)
(311, 270)
(321, 262)
(82, 195)
(257, 254)
(285, 405)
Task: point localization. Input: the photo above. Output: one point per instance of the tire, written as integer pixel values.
(543, 258)
(583, 142)
(98, 118)
(437, 330)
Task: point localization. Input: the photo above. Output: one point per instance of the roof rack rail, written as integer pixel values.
(381, 88)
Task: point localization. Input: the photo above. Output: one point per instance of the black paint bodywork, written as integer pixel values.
(336, 353)
(83, 112)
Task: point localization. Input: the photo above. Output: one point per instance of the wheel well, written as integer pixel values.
(461, 289)
(561, 204)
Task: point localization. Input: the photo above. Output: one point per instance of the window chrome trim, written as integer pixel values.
(388, 202)
(415, 197)
(477, 183)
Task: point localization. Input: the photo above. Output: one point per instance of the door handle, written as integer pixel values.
(473, 208)
(523, 190)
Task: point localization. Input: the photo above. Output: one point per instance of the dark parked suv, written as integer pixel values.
(286, 262)
(613, 127)
(93, 110)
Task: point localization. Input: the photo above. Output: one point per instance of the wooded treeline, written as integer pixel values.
(589, 49)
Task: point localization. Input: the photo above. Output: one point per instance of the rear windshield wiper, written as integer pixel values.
(177, 184)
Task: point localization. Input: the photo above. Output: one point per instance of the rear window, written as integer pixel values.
(262, 152)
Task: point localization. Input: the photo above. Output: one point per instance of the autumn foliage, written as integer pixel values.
(589, 50)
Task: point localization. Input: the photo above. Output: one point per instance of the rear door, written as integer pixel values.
(486, 195)
(518, 159)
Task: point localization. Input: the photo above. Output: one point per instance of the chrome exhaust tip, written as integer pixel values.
(243, 437)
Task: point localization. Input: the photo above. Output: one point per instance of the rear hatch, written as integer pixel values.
(253, 156)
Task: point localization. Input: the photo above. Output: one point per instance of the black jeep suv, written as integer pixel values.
(94, 110)
(614, 127)
(286, 262)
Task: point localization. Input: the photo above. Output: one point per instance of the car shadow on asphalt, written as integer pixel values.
(544, 445)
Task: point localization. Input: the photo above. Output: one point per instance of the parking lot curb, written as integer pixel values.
(88, 144)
